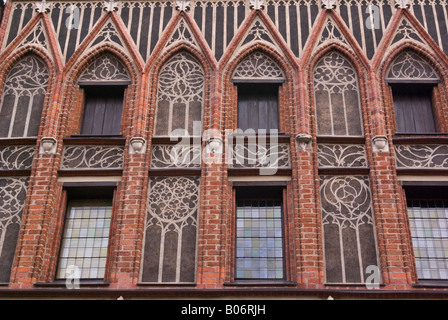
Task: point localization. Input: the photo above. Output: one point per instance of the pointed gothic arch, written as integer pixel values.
(412, 71)
(272, 67)
(106, 68)
(336, 90)
(26, 83)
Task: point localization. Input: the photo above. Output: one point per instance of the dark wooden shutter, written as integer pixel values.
(258, 106)
(413, 108)
(103, 109)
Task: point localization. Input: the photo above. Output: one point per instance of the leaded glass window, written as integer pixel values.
(428, 220)
(259, 239)
(85, 239)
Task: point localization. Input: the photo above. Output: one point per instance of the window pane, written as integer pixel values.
(428, 221)
(103, 110)
(413, 108)
(259, 240)
(258, 106)
(85, 240)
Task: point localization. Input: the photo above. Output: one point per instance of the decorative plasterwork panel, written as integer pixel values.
(175, 156)
(337, 97)
(181, 80)
(171, 229)
(23, 98)
(16, 157)
(258, 66)
(182, 33)
(257, 32)
(406, 31)
(106, 68)
(348, 225)
(92, 157)
(180, 96)
(421, 156)
(260, 156)
(340, 155)
(410, 66)
(331, 33)
(12, 201)
(28, 77)
(36, 37)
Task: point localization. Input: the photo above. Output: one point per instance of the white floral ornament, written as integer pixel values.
(402, 4)
(328, 4)
(182, 5)
(256, 4)
(110, 6)
(42, 7)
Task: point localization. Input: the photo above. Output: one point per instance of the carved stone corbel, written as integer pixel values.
(137, 145)
(303, 141)
(380, 144)
(214, 145)
(48, 145)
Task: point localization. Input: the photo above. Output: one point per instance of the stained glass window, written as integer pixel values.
(429, 229)
(259, 240)
(85, 239)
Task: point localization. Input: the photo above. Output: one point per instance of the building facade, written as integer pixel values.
(261, 148)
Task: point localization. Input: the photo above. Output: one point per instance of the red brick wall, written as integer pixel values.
(39, 241)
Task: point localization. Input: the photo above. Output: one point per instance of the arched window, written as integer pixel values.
(104, 82)
(180, 97)
(258, 78)
(412, 80)
(336, 95)
(23, 98)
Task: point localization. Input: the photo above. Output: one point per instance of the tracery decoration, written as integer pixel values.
(410, 66)
(348, 224)
(406, 31)
(258, 66)
(421, 156)
(12, 201)
(92, 157)
(180, 95)
(331, 33)
(23, 96)
(106, 68)
(257, 32)
(260, 156)
(346, 201)
(339, 155)
(181, 33)
(337, 97)
(172, 211)
(181, 80)
(37, 36)
(16, 157)
(175, 156)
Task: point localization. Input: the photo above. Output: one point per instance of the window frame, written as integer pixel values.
(281, 188)
(390, 84)
(240, 84)
(85, 191)
(93, 85)
(418, 191)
